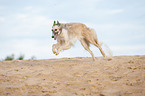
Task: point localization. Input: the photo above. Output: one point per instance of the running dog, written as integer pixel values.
(67, 34)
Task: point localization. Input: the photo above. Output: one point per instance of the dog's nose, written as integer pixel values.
(55, 29)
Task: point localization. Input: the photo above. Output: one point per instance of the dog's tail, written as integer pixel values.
(107, 50)
(94, 35)
(104, 46)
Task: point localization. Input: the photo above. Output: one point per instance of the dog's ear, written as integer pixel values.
(54, 23)
(58, 23)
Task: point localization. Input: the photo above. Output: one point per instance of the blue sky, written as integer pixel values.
(25, 26)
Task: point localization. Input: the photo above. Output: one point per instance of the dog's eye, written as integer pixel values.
(52, 30)
(55, 29)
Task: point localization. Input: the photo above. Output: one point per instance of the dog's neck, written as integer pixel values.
(63, 31)
(63, 26)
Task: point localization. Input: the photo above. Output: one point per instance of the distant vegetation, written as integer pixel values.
(21, 57)
(12, 57)
(9, 58)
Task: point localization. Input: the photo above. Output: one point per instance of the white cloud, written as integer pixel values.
(33, 9)
(28, 8)
(117, 28)
(2, 7)
(114, 11)
(2, 19)
(26, 25)
(128, 50)
(21, 16)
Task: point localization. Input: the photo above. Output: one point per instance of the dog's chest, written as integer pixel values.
(67, 36)
(64, 34)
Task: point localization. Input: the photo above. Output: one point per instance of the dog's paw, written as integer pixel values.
(56, 53)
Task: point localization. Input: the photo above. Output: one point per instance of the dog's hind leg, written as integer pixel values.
(100, 48)
(93, 40)
(85, 44)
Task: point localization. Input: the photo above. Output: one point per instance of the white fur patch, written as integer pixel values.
(65, 34)
(71, 39)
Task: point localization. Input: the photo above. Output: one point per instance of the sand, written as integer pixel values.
(80, 76)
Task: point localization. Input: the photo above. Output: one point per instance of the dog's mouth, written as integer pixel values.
(55, 35)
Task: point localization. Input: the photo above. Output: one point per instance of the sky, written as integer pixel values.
(25, 26)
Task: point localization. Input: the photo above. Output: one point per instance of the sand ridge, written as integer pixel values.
(80, 76)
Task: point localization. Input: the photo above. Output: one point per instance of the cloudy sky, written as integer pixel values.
(25, 26)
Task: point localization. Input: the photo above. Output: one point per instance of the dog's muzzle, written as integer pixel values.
(55, 34)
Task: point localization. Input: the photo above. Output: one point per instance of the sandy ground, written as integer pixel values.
(122, 76)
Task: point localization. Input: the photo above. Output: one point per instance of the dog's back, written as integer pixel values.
(77, 31)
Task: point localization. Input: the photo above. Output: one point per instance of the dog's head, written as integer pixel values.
(56, 29)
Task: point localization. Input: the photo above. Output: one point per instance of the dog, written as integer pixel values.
(67, 34)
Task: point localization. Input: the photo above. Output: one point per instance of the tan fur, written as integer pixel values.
(71, 32)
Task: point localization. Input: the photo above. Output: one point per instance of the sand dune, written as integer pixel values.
(122, 76)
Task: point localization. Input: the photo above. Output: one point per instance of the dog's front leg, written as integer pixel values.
(63, 47)
(54, 48)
